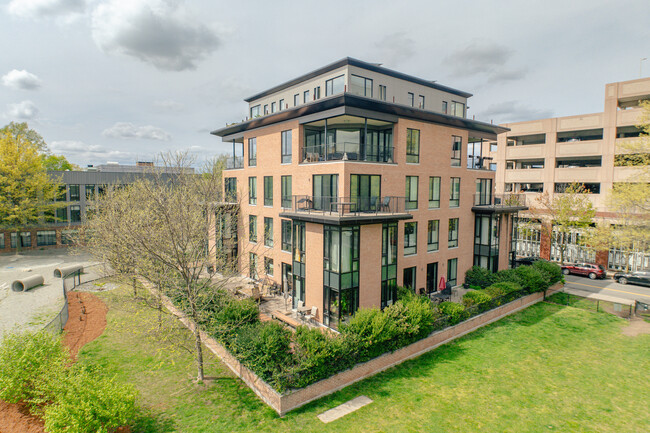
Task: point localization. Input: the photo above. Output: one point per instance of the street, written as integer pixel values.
(609, 287)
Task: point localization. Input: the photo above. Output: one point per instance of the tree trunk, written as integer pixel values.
(199, 353)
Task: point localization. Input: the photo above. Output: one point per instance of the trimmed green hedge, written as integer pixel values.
(475, 297)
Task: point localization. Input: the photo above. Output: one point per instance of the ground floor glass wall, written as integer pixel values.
(340, 273)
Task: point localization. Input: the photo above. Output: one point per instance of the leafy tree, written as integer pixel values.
(27, 194)
(565, 212)
(57, 163)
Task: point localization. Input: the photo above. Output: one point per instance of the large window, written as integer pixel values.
(298, 268)
(286, 235)
(62, 215)
(434, 192)
(413, 145)
(334, 86)
(453, 233)
(340, 273)
(252, 266)
(433, 235)
(268, 266)
(90, 192)
(252, 228)
(252, 190)
(483, 192)
(454, 192)
(25, 240)
(388, 264)
(285, 192)
(75, 213)
(74, 192)
(365, 192)
(286, 147)
(457, 109)
(361, 86)
(268, 190)
(411, 192)
(408, 278)
(456, 150)
(452, 270)
(45, 238)
(325, 190)
(255, 111)
(268, 232)
(252, 152)
(486, 241)
(230, 189)
(432, 277)
(410, 238)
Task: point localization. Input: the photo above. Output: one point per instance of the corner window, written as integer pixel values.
(252, 190)
(268, 190)
(334, 86)
(252, 228)
(268, 232)
(410, 100)
(433, 235)
(285, 193)
(286, 147)
(454, 192)
(361, 86)
(410, 238)
(252, 152)
(255, 111)
(434, 192)
(456, 151)
(411, 192)
(453, 233)
(413, 145)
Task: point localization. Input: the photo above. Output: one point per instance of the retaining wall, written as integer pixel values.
(283, 403)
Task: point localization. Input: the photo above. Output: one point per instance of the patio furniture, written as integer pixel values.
(385, 205)
(312, 314)
(304, 204)
(256, 295)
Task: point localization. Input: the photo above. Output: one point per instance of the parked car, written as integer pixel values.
(526, 261)
(639, 277)
(587, 269)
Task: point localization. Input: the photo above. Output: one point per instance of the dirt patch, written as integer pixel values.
(86, 320)
(636, 327)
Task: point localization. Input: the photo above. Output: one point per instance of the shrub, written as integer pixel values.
(507, 275)
(404, 292)
(232, 313)
(90, 403)
(28, 361)
(532, 279)
(478, 276)
(371, 331)
(551, 271)
(413, 319)
(475, 297)
(456, 312)
(502, 289)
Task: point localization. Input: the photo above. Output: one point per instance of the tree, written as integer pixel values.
(57, 163)
(564, 213)
(27, 194)
(159, 229)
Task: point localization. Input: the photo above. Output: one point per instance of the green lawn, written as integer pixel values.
(548, 368)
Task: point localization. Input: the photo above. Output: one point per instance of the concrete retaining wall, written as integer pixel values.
(283, 403)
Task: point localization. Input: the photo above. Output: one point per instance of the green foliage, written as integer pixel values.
(27, 362)
(532, 279)
(57, 163)
(550, 271)
(509, 275)
(404, 292)
(456, 312)
(90, 403)
(478, 276)
(502, 288)
(475, 297)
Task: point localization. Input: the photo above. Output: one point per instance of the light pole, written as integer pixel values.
(641, 66)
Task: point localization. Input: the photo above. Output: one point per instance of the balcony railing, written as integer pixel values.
(500, 200)
(344, 206)
(479, 162)
(234, 162)
(347, 151)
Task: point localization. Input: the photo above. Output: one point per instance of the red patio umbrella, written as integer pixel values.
(443, 284)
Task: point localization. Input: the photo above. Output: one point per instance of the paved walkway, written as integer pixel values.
(37, 307)
(598, 296)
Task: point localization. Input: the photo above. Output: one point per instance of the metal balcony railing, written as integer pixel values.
(343, 206)
(234, 162)
(348, 151)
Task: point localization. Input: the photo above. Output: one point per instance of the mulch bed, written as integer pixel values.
(86, 321)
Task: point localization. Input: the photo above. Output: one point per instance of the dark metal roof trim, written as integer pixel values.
(345, 220)
(487, 130)
(359, 64)
(492, 209)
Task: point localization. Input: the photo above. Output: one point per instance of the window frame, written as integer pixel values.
(268, 266)
(452, 281)
(456, 150)
(454, 193)
(452, 238)
(421, 102)
(410, 99)
(252, 152)
(412, 146)
(329, 85)
(365, 85)
(382, 92)
(268, 191)
(296, 99)
(286, 193)
(410, 238)
(433, 231)
(409, 203)
(305, 96)
(252, 190)
(286, 146)
(268, 232)
(286, 244)
(434, 191)
(252, 229)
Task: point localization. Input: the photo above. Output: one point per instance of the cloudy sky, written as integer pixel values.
(121, 80)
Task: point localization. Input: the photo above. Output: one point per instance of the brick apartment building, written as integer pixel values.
(546, 155)
(353, 179)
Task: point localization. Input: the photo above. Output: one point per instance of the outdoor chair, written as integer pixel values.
(385, 205)
(312, 314)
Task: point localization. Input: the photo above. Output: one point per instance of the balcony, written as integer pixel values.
(234, 162)
(347, 210)
(524, 175)
(499, 203)
(347, 151)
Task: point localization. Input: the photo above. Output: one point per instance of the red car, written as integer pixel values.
(587, 269)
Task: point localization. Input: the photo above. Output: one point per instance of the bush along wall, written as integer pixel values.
(287, 360)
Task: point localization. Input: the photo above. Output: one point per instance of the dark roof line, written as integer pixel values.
(360, 64)
(349, 100)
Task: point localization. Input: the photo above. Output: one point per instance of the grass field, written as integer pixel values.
(548, 368)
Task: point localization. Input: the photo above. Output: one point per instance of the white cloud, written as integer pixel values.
(125, 130)
(169, 105)
(481, 58)
(160, 32)
(25, 110)
(513, 111)
(45, 8)
(82, 153)
(21, 80)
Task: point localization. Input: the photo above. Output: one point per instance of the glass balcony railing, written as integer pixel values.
(234, 162)
(347, 151)
(499, 200)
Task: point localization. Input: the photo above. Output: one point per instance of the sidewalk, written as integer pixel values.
(598, 296)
